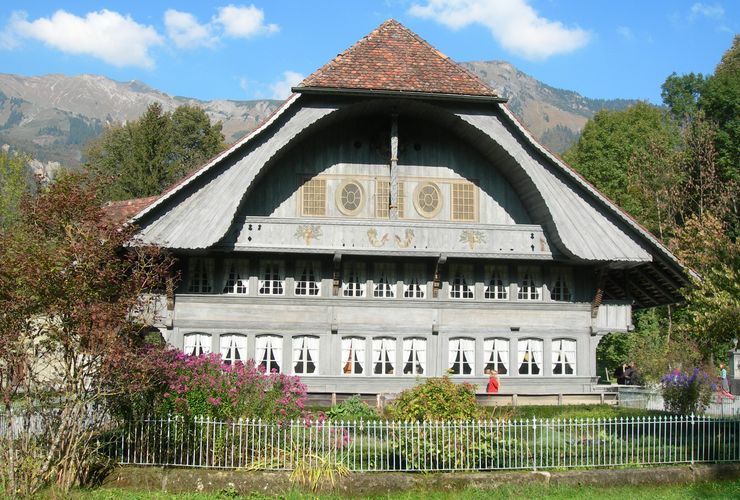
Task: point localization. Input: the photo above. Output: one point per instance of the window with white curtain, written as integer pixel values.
(353, 355)
(496, 355)
(561, 285)
(563, 357)
(461, 356)
(529, 354)
(236, 280)
(462, 281)
(305, 355)
(200, 275)
(307, 278)
(415, 281)
(384, 280)
(272, 276)
(268, 352)
(197, 344)
(353, 279)
(497, 283)
(384, 356)
(414, 356)
(233, 348)
(530, 287)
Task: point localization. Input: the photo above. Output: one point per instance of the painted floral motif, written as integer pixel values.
(308, 232)
(372, 237)
(408, 239)
(472, 238)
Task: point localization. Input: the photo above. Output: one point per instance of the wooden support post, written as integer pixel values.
(333, 398)
(393, 209)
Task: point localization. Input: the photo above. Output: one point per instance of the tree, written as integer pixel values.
(144, 157)
(69, 293)
(13, 185)
(681, 94)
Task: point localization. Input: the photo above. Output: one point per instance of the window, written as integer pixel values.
(314, 197)
(383, 199)
(237, 277)
(271, 277)
(384, 284)
(461, 356)
(233, 348)
(268, 353)
(350, 198)
(197, 344)
(560, 288)
(305, 355)
(462, 284)
(414, 356)
(200, 279)
(497, 284)
(463, 201)
(530, 357)
(384, 356)
(353, 355)
(308, 278)
(428, 199)
(529, 286)
(415, 282)
(496, 355)
(353, 279)
(563, 357)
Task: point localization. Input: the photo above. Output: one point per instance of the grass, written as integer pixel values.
(574, 411)
(709, 490)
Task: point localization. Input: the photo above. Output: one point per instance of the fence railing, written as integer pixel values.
(429, 446)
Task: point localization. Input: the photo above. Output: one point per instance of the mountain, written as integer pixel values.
(53, 116)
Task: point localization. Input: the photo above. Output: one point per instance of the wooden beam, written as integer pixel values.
(393, 209)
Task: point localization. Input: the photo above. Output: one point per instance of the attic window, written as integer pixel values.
(383, 197)
(463, 201)
(314, 197)
(428, 199)
(350, 198)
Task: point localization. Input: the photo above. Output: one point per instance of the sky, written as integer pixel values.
(257, 50)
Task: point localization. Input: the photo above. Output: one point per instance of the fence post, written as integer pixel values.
(534, 434)
(693, 438)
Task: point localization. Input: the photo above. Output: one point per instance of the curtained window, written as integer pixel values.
(462, 282)
(561, 285)
(461, 356)
(563, 357)
(414, 356)
(529, 354)
(496, 355)
(497, 284)
(384, 356)
(305, 355)
(530, 287)
(353, 355)
(197, 344)
(384, 280)
(353, 279)
(233, 348)
(268, 353)
(415, 281)
(308, 278)
(200, 275)
(237, 277)
(272, 276)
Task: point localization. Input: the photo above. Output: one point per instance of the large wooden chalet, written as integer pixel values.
(394, 221)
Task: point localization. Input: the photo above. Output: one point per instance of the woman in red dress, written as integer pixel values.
(492, 387)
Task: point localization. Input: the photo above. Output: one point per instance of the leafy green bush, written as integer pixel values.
(436, 399)
(353, 408)
(686, 394)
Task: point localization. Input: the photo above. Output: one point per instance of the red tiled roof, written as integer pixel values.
(122, 211)
(393, 58)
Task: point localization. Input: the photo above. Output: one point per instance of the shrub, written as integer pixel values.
(686, 394)
(436, 399)
(353, 408)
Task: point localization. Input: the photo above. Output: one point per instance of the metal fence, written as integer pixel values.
(430, 446)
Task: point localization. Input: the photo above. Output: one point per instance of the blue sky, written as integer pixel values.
(252, 50)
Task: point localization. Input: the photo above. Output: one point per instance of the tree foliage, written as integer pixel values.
(143, 157)
(67, 294)
(14, 184)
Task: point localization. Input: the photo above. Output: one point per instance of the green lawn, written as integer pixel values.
(718, 490)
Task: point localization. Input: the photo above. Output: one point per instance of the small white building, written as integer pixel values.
(393, 220)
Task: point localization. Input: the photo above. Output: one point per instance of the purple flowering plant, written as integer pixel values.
(687, 393)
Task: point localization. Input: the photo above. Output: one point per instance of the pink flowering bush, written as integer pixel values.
(189, 386)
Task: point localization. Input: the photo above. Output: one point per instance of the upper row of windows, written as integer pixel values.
(385, 281)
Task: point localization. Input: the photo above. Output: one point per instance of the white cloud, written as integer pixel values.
(625, 32)
(513, 23)
(243, 22)
(107, 35)
(715, 11)
(186, 32)
(281, 88)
